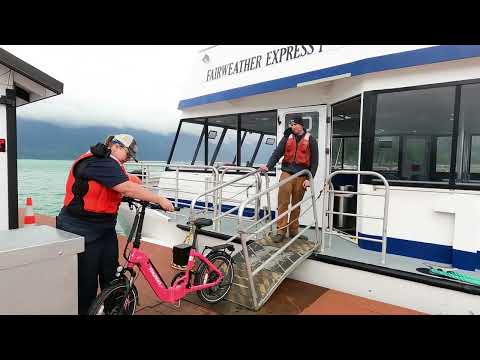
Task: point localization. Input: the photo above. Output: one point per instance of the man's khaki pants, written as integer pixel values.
(295, 190)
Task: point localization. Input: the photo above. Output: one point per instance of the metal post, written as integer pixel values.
(315, 215)
(177, 173)
(220, 198)
(243, 236)
(258, 183)
(330, 219)
(148, 174)
(385, 224)
(215, 202)
(326, 189)
(206, 194)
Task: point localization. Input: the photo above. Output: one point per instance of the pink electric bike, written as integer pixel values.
(209, 275)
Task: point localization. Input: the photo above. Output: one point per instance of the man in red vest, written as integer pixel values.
(95, 186)
(300, 151)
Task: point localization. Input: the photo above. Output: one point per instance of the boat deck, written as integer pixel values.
(291, 298)
(345, 249)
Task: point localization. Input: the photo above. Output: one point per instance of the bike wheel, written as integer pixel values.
(203, 275)
(112, 301)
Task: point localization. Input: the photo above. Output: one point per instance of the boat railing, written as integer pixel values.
(215, 190)
(328, 210)
(154, 178)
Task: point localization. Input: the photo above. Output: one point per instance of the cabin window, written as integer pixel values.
(413, 134)
(385, 156)
(468, 153)
(223, 147)
(190, 145)
(346, 125)
(258, 137)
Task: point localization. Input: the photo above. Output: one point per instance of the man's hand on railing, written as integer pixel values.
(263, 168)
(306, 184)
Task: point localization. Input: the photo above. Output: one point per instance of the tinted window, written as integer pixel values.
(222, 143)
(346, 127)
(468, 150)
(413, 132)
(258, 137)
(190, 134)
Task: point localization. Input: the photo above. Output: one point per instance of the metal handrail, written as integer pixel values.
(152, 173)
(216, 188)
(329, 213)
(244, 236)
(146, 165)
(258, 182)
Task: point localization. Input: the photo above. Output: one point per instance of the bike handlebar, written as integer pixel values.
(148, 204)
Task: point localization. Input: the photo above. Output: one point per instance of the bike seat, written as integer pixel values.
(199, 223)
(229, 247)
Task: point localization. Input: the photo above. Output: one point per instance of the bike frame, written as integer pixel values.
(179, 289)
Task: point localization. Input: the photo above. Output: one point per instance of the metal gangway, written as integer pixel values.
(328, 210)
(261, 265)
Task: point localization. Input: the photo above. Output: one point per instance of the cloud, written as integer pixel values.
(124, 86)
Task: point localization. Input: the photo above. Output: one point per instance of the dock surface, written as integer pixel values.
(292, 297)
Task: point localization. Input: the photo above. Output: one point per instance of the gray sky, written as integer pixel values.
(133, 86)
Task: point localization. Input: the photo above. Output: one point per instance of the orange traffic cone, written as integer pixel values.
(29, 216)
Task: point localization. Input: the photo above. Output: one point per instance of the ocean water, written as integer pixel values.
(43, 181)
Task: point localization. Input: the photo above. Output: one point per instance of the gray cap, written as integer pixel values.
(127, 141)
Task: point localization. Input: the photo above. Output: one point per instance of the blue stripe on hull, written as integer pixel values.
(460, 259)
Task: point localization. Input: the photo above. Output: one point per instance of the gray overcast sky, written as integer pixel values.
(134, 86)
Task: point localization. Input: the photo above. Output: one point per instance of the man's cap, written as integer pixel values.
(127, 141)
(297, 120)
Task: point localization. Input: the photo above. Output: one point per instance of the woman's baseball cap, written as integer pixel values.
(127, 141)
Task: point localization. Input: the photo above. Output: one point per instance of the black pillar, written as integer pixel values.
(12, 159)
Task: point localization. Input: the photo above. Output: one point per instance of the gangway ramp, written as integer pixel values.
(268, 278)
(262, 265)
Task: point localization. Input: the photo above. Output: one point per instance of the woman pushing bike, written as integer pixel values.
(210, 276)
(95, 186)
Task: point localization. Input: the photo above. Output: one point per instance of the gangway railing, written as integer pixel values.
(327, 210)
(245, 236)
(258, 187)
(155, 177)
(217, 216)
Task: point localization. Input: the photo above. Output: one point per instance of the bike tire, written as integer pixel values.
(112, 297)
(215, 294)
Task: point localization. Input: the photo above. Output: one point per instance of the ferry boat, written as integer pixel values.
(397, 188)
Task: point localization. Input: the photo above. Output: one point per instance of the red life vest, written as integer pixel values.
(297, 154)
(89, 199)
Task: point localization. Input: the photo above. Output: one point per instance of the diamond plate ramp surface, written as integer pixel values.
(271, 275)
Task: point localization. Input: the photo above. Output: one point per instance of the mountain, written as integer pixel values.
(43, 140)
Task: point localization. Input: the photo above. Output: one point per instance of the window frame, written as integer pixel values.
(368, 137)
(342, 138)
(473, 175)
(237, 159)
